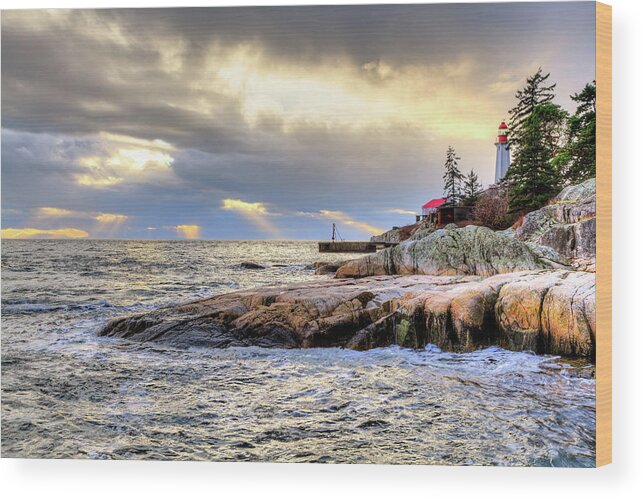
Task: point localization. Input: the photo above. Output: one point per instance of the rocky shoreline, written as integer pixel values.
(457, 288)
(546, 311)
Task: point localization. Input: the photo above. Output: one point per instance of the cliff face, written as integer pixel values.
(544, 311)
(567, 225)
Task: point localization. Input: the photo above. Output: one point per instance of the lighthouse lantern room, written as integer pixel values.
(502, 152)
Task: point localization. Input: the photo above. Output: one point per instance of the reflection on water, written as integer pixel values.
(67, 393)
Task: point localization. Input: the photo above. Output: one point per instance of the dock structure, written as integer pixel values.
(352, 246)
(338, 245)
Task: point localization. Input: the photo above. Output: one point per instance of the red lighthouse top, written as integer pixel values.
(503, 131)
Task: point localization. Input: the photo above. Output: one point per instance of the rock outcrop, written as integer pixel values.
(567, 226)
(559, 235)
(547, 311)
(470, 250)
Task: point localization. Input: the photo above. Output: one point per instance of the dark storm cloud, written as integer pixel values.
(400, 32)
(48, 73)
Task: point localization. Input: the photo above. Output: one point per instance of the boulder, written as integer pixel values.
(322, 268)
(546, 311)
(251, 266)
(471, 250)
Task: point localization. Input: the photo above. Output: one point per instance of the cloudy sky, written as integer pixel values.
(253, 123)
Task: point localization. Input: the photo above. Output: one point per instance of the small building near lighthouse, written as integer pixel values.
(503, 158)
(430, 209)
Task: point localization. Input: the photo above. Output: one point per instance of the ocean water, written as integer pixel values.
(69, 394)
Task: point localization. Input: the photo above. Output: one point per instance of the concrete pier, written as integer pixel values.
(352, 246)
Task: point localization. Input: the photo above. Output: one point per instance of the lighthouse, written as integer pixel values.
(502, 152)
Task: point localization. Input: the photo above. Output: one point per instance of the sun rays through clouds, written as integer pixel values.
(256, 213)
(188, 231)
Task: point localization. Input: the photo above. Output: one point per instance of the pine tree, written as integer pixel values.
(533, 176)
(577, 160)
(452, 177)
(471, 188)
(537, 135)
(536, 92)
(553, 127)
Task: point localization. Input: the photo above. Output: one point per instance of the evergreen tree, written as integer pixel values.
(452, 177)
(536, 92)
(533, 176)
(538, 129)
(553, 122)
(471, 188)
(577, 160)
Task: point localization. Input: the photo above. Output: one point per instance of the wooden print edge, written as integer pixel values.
(603, 234)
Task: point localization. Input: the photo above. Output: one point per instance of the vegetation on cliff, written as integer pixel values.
(550, 148)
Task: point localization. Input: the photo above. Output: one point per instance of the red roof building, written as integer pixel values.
(433, 205)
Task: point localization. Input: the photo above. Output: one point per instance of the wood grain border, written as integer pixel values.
(603, 234)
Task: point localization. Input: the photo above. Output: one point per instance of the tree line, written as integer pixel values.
(550, 148)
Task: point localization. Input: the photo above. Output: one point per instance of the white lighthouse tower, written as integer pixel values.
(502, 152)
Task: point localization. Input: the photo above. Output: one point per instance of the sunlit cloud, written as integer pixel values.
(188, 231)
(402, 211)
(139, 159)
(97, 180)
(436, 99)
(110, 218)
(244, 206)
(135, 142)
(31, 233)
(105, 224)
(50, 211)
(125, 158)
(54, 212)
(255, 212)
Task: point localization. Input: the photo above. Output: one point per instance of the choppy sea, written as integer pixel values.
(69, 394)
